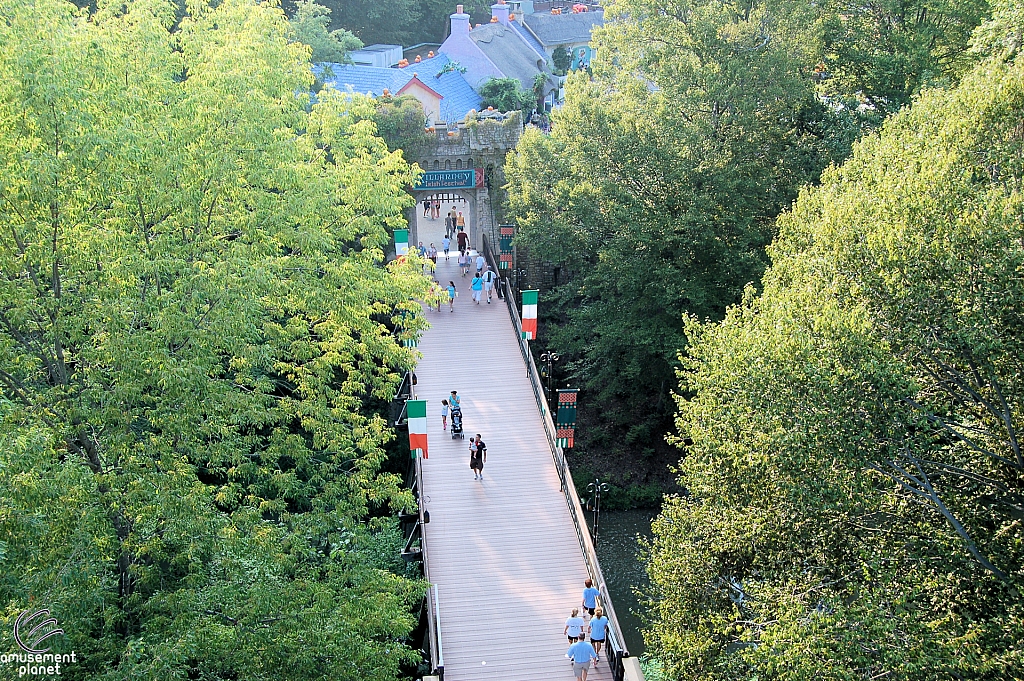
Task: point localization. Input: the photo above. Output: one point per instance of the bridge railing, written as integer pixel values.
(406, 392)
(432, 596)
(623, 668)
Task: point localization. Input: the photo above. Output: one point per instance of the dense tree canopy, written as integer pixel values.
(194, 316)
(507, 94)
(310, 23)
(853, 470)
(400, 22)
(400, 121)
(657, 190)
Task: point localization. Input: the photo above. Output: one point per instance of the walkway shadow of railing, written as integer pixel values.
(623, 667)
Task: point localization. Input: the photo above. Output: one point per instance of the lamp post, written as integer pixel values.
(520, 274)
(549, 358)
(596, 488)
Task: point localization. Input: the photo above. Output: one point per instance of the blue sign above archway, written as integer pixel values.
(450, 179)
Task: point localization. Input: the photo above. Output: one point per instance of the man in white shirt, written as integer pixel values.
(489, 279)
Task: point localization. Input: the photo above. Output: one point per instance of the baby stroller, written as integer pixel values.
(457, 424)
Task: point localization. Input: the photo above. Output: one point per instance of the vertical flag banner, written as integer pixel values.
(530, 314)
(505, 246)
(417, 412)
(401, 242)
(566, 418)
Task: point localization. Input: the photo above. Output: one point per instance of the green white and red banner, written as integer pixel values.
(507, 232)
(565, 418)
(530, 314)
(416, 410)
(401, 242)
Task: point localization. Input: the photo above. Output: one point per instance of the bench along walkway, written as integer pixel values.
(504, 553)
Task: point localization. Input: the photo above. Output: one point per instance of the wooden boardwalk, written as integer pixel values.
(503, 552)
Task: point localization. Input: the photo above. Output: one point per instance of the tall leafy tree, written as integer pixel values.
(194, 316)
(507, 94)
(657, 190)
(310, 23)
(880, 54)
(854, 484)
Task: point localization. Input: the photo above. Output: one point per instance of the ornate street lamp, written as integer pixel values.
(549, 358)
(596, 488)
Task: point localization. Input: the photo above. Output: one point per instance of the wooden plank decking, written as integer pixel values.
(503, 552)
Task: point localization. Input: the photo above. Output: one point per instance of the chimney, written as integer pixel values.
(500, 12)
(460, 21)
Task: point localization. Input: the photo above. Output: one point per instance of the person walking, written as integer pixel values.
(463, 262)
(460, 222)
(455, 401)
(437, 210)
(478, 287)
(480, 263)
(436, 295)
(451, 298)
(422, 250)
(574, 626)
(581, 653)
(463, 240)
(590, 595)
(489, 278)
(477, 457)
(426, 207)
(446, 244)
(444, 414)
(598, 630)
(432, 254)
(449, 224)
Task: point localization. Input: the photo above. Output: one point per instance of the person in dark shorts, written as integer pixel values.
(598, 630)
(477, 457)
(463, 240)
(590, 595)
(574, 626)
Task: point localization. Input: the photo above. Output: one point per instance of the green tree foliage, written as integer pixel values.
(507, 94)
(194, 313)
(400, 121)
(883, 53)
(310, 21)
(658, 188)
(561, 59)
(853, 471)
(400, 22)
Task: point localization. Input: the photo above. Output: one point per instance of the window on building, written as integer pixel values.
(458, 164)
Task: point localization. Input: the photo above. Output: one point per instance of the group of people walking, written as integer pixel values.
(454, 220)
(582, 653)
(587, 626)
(481, 285)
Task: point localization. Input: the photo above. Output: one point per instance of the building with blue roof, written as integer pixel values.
(447, 83)
(437, 82)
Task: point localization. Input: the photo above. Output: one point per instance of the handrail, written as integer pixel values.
(616, 642)
(439, 667)
(489, 256)
(433, 602)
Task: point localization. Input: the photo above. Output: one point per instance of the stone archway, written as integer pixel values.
(478, 216)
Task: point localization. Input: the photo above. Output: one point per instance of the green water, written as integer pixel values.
(617, 550)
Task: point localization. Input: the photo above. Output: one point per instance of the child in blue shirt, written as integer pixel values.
(590, 595)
